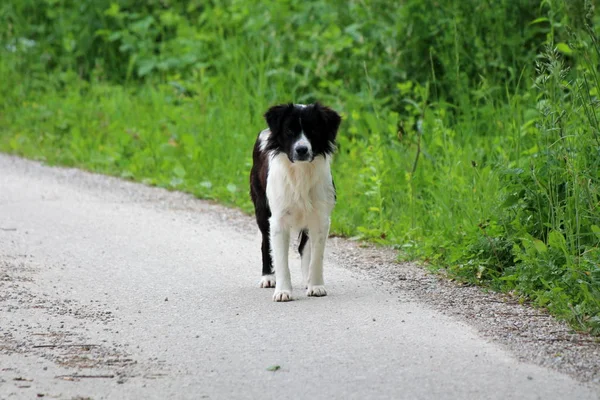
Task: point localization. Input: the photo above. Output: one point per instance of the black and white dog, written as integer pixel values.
(292, 190)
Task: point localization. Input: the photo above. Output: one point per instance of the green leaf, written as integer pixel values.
(114, 36)
(145, 67)
(179, 171)
(557, 241)
(142, 25)
(539, 246)
(274, 368)
(113, 10)
(596, 230)
(564, 48)
(127, 175)
(175, 182)
(538, 20)
(511, 200)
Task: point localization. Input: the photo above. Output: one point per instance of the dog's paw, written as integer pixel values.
(282, 295)
(267, 281)
(316, 291)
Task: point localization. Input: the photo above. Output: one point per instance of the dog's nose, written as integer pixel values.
(302, 151)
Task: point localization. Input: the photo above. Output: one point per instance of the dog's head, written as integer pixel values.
(303, 132)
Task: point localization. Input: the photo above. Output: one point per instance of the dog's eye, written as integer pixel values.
(289, 132)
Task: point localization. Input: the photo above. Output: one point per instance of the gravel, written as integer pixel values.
(531, 334)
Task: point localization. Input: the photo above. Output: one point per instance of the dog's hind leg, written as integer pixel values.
(268, 278)
(304, 256)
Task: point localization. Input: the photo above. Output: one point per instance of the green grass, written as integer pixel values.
(458, 152)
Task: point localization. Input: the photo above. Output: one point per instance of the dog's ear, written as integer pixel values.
(275, 115)
(330, 119)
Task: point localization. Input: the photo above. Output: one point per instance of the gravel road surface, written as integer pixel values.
(115, 290)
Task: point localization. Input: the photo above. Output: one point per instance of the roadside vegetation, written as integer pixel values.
(471, 133)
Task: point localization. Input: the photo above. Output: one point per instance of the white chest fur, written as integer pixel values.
(297, 191)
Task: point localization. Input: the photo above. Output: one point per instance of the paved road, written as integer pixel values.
(114, 290)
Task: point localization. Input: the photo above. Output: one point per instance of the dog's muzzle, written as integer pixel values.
(302, 150)
(302, 153)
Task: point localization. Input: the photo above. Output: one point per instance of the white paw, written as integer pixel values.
(282, 295)
(267, 281)
(316, 291)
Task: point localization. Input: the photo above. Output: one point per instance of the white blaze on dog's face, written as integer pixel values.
(302, 149)
(301, 132)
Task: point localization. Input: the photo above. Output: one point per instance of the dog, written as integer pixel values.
(292, 189)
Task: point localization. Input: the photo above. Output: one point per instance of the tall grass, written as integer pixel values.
(470, 134)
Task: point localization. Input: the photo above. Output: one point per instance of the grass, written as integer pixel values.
(472, 159)
(152, 134)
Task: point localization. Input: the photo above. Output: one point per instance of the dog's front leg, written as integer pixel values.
(280, 243)
(318, 232)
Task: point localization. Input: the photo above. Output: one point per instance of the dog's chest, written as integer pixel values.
(298, 191)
